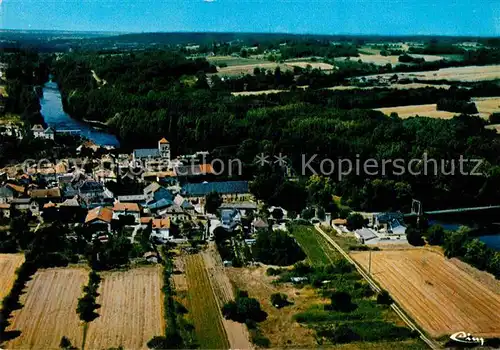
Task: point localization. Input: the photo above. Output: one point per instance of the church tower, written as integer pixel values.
(164, 149)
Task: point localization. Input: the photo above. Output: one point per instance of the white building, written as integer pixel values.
(40, 132)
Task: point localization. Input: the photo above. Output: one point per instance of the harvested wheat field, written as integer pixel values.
(248, 68)
(49, 310)
(467, 73)
(314, 65)
(485, 106)
(203, 307)
(439, 296)
(280, 327)
(131, 311)
(8, 265)
(418, 110)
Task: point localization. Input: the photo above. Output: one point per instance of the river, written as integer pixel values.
(55, 117)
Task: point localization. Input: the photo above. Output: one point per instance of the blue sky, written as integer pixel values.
(393, 17)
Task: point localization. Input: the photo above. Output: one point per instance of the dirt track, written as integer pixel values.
(237, 333)
(439, 296)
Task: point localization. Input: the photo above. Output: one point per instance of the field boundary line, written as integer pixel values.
(376, 288)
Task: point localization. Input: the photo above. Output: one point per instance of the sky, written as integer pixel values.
(385, 17)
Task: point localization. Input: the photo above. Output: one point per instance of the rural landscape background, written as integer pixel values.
(155, 191)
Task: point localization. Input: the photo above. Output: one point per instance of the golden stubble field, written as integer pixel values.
(49, 310)
(8, 265)
(439, 296)
(467, 73)
(484, 105)
(131, 311)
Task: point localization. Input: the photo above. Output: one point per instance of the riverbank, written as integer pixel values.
(55, 117)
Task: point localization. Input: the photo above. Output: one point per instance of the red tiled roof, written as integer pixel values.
(132, 207)
(161, 223)
(99, 213)
(164, 140)
(146, 220)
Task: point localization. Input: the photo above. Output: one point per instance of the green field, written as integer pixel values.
(317, 249)
(203, 307)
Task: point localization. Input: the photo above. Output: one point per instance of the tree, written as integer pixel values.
(355, 221)
(277, 214)
(477, 253)
(243, 309)
(414, 236)
(341, 301)
(320, 213)
(213, 201)
(307, 213)
(435, 235)
(384, 298)
(454, 242)
(276, 248)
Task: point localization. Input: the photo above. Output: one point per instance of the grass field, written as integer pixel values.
(8, 265)
(318, 251)
(439, 296)
(280, 327)
(484, 105)
(49, 310)
(131, 311)
(203, 307)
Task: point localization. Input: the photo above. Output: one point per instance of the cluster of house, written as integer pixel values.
(82, 191)
(18, 132)
(382, 226)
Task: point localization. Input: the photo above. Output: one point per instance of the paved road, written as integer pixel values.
(377, 289)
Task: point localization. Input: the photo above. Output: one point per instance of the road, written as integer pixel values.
(377, 289)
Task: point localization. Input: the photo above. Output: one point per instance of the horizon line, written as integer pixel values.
(249, 32)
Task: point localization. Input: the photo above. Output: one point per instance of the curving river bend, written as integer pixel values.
(55, 117)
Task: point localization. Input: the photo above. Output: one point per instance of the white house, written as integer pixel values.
(161, 230)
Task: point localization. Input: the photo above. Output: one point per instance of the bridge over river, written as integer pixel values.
(449, 211)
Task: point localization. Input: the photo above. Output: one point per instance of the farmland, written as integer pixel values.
(49, 310)
(248, 68)
(393, 60)
(439, 296)
(203, 307)
(131, 311)
(485, 106)
(468, 73)
(8, 265)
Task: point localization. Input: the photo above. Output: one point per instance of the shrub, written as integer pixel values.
(384, 298)
(341, 334)
(279, 300)
(271, 271)
(65, 344)
(341, 301)
(243, 309)
(435, 235)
